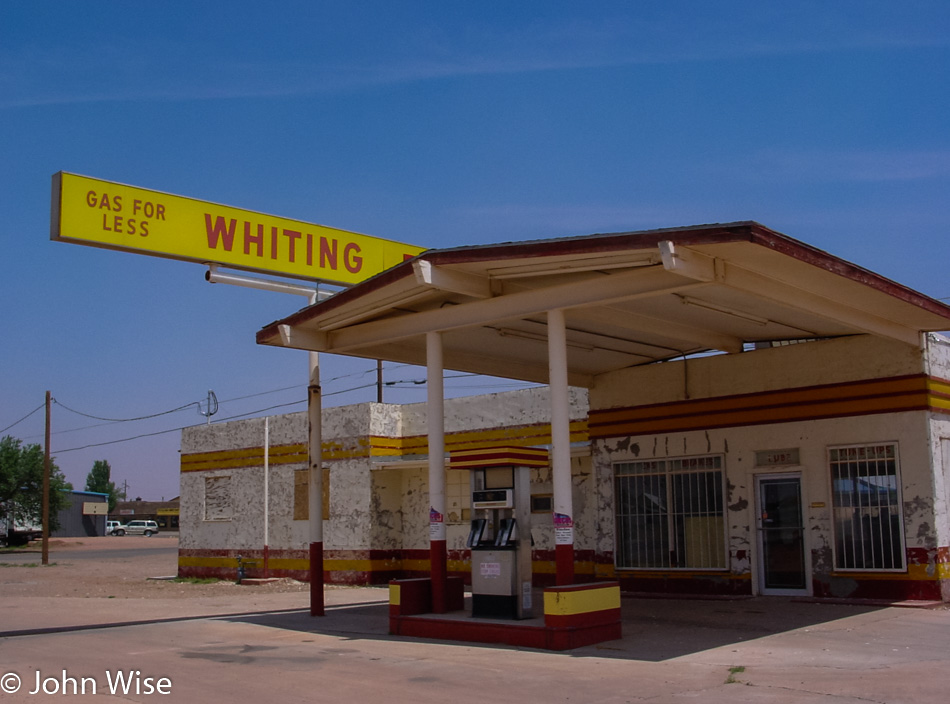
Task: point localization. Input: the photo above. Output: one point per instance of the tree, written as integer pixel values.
(99, 480)
(21, 484)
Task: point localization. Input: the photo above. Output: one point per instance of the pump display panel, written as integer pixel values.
(492, 498)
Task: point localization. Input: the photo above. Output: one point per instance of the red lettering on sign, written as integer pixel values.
(115, 222)
(148, 209)
(250, 239)
(292, 237)
(103, 203)
(279, 244)
(220, 232)
(328, 253)
(351, 258)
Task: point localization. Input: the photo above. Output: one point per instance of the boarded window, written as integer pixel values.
(670, 514)
(217, 498)
(302, 494)
(867, 506)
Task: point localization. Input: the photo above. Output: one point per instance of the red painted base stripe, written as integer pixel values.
(316, 579)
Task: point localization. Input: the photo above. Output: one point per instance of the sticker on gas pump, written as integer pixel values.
(490, 569)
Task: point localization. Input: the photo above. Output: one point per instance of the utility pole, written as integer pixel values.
(46, 472)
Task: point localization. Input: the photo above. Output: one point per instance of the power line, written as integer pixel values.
(195, 403)
(115, 442)
(24, 417)
(414, 382)
(126, 420)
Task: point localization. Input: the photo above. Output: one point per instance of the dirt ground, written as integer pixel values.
(99, 568)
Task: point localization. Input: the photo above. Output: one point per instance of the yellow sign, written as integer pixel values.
(111, 215)
(167, 512)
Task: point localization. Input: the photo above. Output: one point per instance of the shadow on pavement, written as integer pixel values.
(654, 630)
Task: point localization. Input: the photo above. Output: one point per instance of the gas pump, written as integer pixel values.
(500, 541)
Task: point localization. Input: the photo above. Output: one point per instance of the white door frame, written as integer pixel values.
(759, 534)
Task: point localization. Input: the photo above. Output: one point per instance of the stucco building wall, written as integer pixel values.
(808, 397)
(803, 398)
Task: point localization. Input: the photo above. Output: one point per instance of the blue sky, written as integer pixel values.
(437, 124)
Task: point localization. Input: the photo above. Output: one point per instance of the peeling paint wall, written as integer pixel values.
(738, 448)
(378, 474)
(813, 364)
(938, 358)
(378, 499)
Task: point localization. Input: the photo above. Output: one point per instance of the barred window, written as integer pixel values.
(670, 513)
(867, 508)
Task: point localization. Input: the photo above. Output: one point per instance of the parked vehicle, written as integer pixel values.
(18, 533)
(146, 528)
(113, 526)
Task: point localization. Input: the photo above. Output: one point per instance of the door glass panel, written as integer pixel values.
(782, 534)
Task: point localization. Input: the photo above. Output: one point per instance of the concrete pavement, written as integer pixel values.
(756, 650)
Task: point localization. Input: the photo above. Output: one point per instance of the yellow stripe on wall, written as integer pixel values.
(851, 399)
(376, 446)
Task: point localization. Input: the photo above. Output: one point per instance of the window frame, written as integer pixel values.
(668, 475)
(902, 569)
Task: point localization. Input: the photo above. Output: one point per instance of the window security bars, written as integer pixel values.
(670, 514)
(867, 508)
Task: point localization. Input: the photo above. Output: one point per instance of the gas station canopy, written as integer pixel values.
(628, 299)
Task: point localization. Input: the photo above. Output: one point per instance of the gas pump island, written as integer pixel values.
(500, 534)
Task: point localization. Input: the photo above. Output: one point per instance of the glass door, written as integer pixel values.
(781, 532)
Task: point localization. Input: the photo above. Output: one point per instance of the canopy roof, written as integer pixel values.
(629, 298)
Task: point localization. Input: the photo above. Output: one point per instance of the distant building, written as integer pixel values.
(84, 516)
(165, 513)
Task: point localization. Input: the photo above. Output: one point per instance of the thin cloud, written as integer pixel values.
(850, 166)
(527, 221)
(171, 72)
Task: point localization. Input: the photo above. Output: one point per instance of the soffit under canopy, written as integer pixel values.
(628, 298)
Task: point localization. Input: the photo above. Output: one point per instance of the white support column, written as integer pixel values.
(266, 496)
(435, 419)
(561, 449)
